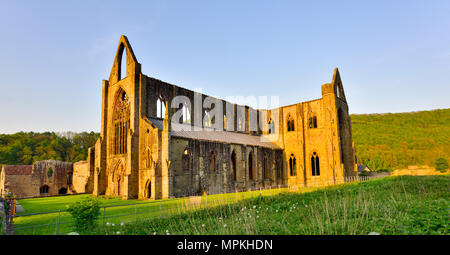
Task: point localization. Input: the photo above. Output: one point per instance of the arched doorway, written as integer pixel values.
(117, 180)
(62, 191)
(148, 190)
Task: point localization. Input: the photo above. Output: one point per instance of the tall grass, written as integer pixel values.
(393, 205)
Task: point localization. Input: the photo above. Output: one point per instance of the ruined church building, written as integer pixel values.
(140, 155)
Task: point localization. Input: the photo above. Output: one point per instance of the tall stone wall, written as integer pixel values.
(81, 177)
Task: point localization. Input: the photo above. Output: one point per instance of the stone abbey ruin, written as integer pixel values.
(151, 148)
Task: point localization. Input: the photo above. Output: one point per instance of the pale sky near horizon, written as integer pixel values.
(393, 56)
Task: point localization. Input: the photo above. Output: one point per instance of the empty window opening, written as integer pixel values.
(313, 122)
(265, 167)
(250, 166)
(315, 165)
(160, 107)
(62, 191)
(292, 165)
(44, 189)
(233, 165)
(186, 114)
(212, 160)
(186, 159)
(271, 125)
(50, 172)
(279, 168)
(123, 63)
(149, 189)
(207, 120)
(290, 123)
(341, 126)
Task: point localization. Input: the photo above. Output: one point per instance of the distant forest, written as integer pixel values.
(382, 141)
(393, 141)
(26, 148)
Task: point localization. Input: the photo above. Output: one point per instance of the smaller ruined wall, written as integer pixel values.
(56, 181)
(81, 177)
(20, 186)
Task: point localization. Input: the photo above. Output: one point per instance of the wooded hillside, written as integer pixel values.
(391, 141)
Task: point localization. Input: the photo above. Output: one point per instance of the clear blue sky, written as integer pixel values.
(393, 56)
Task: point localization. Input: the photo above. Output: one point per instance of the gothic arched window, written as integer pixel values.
(121, 123)
(160, 107)
(186, 159)
(271, 126)
(233, 165)
(212, 161)
(290, 123)
(186, 114)
(315, 165)
(292, 165)
(313, 122)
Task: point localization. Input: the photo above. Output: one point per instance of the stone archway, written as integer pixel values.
(148, 190)
(117, 180)
(62, 191)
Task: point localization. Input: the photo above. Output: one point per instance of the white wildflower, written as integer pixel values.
(108, 224)
(118, 232)
(121, 224)
(374, 233)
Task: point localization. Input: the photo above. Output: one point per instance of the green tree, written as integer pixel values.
(85, 213)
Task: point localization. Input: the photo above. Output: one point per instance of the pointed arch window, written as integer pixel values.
(290, 123)
(292, 165)
(186, 114)
(233, 165)
(160, 107)
(212, 161)
(207, 120)
(271, 125)
(122, 62)
(265, 167)
(313, 122)
(315, 165)
(186, 159)
(250, 166)
(121, 123)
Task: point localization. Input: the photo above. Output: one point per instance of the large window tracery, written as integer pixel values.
(121, 123)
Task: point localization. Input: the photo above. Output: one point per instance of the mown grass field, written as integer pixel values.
(389, 206)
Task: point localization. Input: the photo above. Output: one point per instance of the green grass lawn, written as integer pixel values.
(116, 211)
(389, 206)
(392, 205)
